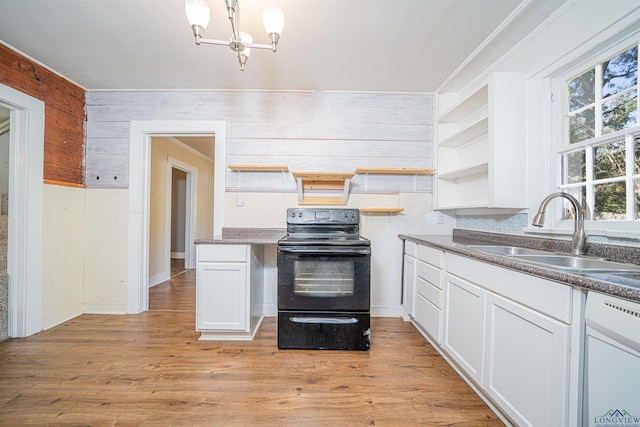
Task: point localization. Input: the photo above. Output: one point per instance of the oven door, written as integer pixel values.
(324, 278)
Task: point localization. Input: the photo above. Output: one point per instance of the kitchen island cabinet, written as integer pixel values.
(229, 291)
(230, 282)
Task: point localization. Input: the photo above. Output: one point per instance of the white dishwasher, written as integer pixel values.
(612, 367)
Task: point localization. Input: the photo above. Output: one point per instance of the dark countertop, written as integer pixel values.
(623, 287)
(245, 236)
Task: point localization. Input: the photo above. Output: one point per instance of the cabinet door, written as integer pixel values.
(464, 325)
(222, 296)
(527, 360)
(409, 284)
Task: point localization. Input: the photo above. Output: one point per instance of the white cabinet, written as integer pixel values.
(428, 292)
(511, 334)
(517, 337)
(526, 369)
(229, 291)
(409, 277)
(222, 296)
(481, 147)
(464, 315)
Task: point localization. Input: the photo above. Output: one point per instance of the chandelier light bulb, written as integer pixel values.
(197, 12)
(273, 20)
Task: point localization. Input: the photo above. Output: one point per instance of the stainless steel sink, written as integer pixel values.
(574, 262)
(560, 261)
(508, 250)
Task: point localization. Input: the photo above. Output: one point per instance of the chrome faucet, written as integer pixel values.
(579, 241)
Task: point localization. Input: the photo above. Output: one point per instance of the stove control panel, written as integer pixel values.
(322, 216)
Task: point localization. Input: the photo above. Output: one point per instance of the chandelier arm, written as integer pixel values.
(234, 18)
(259, 46)
(212, 41)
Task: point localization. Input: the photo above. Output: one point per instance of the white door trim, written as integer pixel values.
(139, 170)
(24, 263)
(190, 212)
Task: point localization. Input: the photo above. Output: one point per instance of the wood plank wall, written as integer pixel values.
(64, 114)
(307, 131)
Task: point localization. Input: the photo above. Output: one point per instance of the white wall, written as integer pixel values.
(105, 242)
(63, 248)
(307, 131)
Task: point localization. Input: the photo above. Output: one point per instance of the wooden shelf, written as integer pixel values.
(381, 210)
(396, 171)
(323, 176)
(322, 181)
(259, 168)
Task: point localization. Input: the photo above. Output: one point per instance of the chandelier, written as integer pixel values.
(240, 42)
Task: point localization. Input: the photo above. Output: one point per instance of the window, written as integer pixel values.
(600, 162)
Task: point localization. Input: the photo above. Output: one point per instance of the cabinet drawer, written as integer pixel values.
(547, 297)
(430, 255)
(410, 248)
(430, 292)
(429, 317)
(223, 253)
(429, 273)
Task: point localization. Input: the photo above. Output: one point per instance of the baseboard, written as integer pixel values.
(60, 317)
(178, 255)
(105, 309)
(158, 278)
(390, 311)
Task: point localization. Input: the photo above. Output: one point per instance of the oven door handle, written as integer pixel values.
(324, 320)
(325, 251)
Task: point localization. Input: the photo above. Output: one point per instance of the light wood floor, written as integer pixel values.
(150, 369)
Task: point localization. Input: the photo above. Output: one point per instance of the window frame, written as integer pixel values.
(560, 126)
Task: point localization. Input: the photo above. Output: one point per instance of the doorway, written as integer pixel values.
(24, 231)
(178, 232)
(141, 134)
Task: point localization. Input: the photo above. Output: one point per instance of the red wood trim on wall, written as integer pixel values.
(64, 115)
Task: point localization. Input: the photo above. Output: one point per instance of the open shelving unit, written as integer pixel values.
(480, 146)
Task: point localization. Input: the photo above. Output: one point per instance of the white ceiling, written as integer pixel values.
(326, 45)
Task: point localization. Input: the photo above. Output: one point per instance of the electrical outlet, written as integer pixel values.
(239, 200)
(440, 218)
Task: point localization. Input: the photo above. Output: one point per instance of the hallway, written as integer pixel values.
(176, 294)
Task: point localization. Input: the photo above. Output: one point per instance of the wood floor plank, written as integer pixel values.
(151, 369)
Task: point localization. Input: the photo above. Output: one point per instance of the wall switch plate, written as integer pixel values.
(440, 218)
(239, 200)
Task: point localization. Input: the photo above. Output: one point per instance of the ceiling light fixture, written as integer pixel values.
(240, 42)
